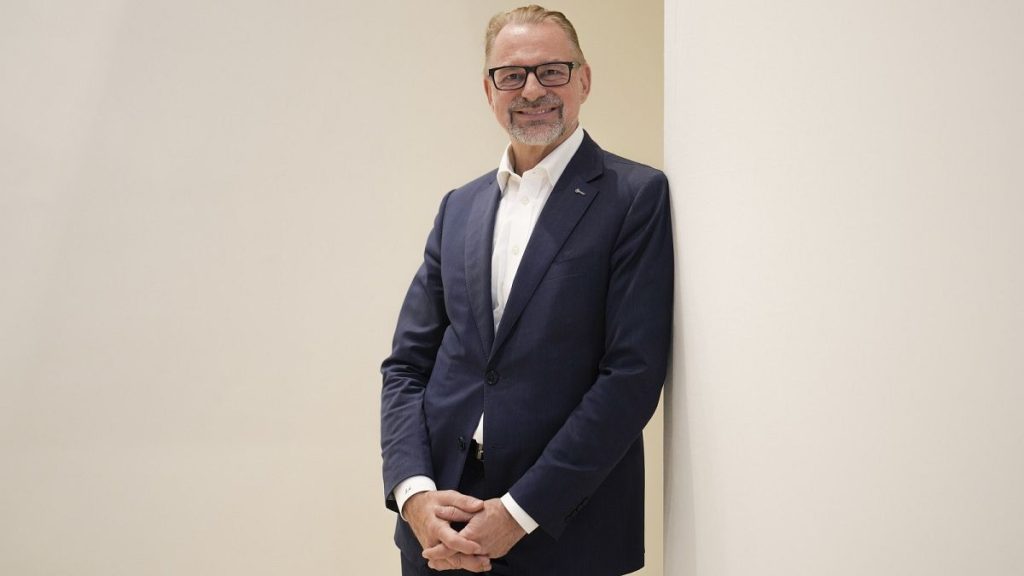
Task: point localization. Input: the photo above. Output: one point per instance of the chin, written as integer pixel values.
(537, 135)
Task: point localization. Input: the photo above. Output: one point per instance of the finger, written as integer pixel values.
(450, 563)
(440, 565)
(452, 514)
(476, 563)
(457, 542)
(463, 562)
(476, 532)
(461, 501)
(439, 552)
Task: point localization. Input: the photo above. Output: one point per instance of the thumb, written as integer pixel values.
(452, 513)
(463, 502)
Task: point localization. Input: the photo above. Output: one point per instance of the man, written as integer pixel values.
(532, 345)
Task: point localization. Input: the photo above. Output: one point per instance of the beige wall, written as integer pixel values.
(849, 198)
(209, 213)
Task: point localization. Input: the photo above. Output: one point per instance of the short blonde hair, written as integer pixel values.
(531, 14)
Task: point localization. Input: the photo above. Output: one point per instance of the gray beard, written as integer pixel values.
(538, 135)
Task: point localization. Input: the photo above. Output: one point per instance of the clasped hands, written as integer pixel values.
(490, 530)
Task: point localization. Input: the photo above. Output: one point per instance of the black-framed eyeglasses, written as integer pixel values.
(549, 74)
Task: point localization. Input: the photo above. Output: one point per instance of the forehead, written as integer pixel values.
(531, 44)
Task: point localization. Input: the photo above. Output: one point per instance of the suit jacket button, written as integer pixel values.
(462, 444)
(491, 377)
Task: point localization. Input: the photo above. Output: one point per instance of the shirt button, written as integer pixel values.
(491, 377)
(515, 250)
(525, 200)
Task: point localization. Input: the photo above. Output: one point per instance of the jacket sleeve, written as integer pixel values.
(405, 443)
(613, 412)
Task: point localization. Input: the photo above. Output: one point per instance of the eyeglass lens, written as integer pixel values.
(513, 77)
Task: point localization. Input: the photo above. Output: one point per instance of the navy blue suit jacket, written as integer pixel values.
(569, 380)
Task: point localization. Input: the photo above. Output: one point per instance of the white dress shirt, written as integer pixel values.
(522, 199)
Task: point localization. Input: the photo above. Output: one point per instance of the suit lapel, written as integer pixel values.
(479, 239)
(569, 200)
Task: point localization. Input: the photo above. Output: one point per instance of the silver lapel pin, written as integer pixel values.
(581, 192)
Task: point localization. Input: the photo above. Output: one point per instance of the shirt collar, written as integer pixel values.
(552, 165)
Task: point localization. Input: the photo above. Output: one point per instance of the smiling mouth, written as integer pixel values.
(536, 112)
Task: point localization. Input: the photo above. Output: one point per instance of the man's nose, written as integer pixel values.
(533, 89)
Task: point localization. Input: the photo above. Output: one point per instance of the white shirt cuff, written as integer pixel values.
(518, 513)
(409, 486)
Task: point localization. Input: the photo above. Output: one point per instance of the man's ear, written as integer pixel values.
(585, 81)
(487, 91)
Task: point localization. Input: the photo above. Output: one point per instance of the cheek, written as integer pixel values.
(571, 108)
(500, 107)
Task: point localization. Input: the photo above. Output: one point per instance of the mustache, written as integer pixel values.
(548, 100)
